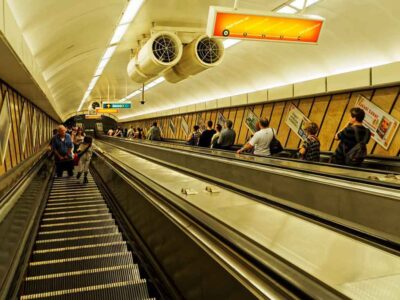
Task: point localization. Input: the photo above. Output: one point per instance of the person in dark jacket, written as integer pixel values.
(206, 135)
(348, 136)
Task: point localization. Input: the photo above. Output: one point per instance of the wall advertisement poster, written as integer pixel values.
(251, 121)
(297, 121)
(172, 127)
(5, 127)
(99, 126)
(200, 122)
(382, 125)
(23, 129)
(221, 119)
(185, 126)
(34, 127)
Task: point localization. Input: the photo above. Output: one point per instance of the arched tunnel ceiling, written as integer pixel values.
(68, 38)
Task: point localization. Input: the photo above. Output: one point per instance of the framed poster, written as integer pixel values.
(5, 127)
(251, 120)
(172, 127)
(185, 126)
(297, 121)
(39, 125)
(382, 125)
(34, 127)
(200, 122)
(221, 119)
(99, 127)
(23, 129)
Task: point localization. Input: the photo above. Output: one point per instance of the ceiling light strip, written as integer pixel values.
(128, 16)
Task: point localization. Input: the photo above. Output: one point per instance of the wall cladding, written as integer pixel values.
(330, 112)
(18, 150)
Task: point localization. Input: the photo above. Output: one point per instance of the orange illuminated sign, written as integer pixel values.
(92, 117)
(107, 110)
(249, 25)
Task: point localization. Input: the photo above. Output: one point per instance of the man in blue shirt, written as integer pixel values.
(62, 147)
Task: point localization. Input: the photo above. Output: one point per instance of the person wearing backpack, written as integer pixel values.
(194, 137)
(354, 138)
(310, 148)
(154, 133)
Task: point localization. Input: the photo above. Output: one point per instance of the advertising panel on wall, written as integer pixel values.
(99, 126)
(251, 120)
(5, 127)
(34, 127)
(220, 119)
(185, 126)
(172, 127)
(297, 121)
(382, 125)
(23, 129)
(200, 122)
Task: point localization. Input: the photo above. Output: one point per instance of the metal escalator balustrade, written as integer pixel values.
(79, 252)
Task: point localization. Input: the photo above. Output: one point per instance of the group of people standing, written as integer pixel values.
(351, 149)
(71, 147)
(131, 133)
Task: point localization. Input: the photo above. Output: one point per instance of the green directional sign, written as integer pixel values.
(117, 105)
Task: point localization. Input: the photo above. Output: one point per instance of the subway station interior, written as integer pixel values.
(199, 149)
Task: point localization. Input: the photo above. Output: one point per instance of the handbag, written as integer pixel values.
(275, 146)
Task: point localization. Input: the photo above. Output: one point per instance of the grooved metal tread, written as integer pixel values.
(79, 252)
(79, 279)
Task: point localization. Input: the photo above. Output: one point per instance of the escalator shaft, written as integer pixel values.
(79, 252)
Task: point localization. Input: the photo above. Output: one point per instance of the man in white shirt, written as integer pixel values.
(261, 140)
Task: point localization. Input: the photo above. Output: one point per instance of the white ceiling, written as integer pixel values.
(68, 38)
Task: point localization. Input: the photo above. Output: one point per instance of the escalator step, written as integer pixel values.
(93, 205)
(74, 198)
(55, 220)
(66, 202)
(79, 263)
(76, 225)
(75, 213)
(57, 234)
(74, 191)
(79, 251)
(127, 290)
(78, 241)
(79, 279)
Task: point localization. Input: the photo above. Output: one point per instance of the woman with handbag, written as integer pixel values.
(84, 155)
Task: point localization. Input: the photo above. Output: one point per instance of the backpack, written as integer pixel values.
(275, 146)
(355, 156)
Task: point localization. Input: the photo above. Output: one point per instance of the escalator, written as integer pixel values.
(79, 251)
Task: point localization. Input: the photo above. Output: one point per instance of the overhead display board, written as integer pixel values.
(382, 125)
(106, 111)
(263, 26)
(117, 105)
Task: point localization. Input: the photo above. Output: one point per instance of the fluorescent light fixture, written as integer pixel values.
(229, 43)
(119, 33)
(101, 66)
(93, 83)
(287, 10)
(109, 52)
(311, 2)
(299, 4)
(131, 11)
(146, 87)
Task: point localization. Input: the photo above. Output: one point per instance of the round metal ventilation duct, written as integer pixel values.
(162, 51)
(199, 55)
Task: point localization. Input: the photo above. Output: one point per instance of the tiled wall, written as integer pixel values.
(36, 136)
(331, 112)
